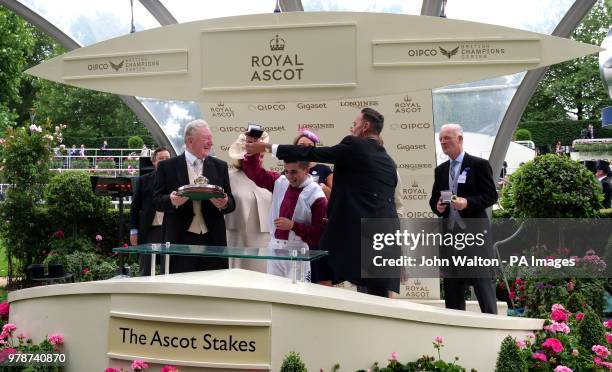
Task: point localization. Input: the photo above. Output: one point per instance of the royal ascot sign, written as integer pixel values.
(266, 58)
(189, 343)
(306, 56)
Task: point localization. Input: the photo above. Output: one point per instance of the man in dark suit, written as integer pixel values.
(470, 179)
(145, 221)
(605, 181)
(365, 178)
(194, 222)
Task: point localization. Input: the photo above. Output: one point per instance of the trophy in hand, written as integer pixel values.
(201, 190)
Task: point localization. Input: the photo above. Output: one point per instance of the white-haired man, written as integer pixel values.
(470, 180)
(194, 222)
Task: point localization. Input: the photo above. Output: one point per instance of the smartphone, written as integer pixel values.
(255, 131)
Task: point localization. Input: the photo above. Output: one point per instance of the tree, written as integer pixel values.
(16, 44)
(574, 88)
(91, 116)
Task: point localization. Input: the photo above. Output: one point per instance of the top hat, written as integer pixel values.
(237, 149)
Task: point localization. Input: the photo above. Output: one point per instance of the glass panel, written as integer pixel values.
(480, 106)
(172, 117)
(192, 10)
(217, 251)
(380, 6)
(538, 16)
(89, 22)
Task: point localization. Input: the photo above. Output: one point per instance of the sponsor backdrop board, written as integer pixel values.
(408, 136)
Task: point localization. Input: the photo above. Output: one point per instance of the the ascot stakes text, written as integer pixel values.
(206, 341)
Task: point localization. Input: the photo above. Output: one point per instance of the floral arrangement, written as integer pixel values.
(424, 363)
(141, 365)
(567, 344)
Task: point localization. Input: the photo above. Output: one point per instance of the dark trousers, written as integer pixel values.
(144, 260)
(183, 264)
(454, 293)
(379, 291)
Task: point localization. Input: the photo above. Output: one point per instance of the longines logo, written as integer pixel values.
(311, 106)
(131, 64)
(277, 67)
(242, 129)
(358, 104)
(411, 147)
(415, 166)
(410, 126)
(268, 107)
(222, 111)
(407, 106)
(317, 126)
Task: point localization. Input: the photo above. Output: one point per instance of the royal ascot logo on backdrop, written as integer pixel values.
(411, 147)
(268, 107)
(407, 106)
(311, 106)
(316, 126)
(410, 126)
(414, 192)
(416, 289)
(358, 104)
(222, 111)
(277, 66)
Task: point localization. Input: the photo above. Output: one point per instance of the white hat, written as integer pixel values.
(237, 150)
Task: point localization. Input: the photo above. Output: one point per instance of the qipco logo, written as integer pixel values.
(268, 107)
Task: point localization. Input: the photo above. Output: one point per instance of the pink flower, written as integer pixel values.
(539, 356)
(169, 369)
(530, 335)
(98, 237)
(111, 370)
(22, 336)
(557, 327)
(139, 365)
(608, 324)
(609, 337)
(6, 352)
(8, 328)
(520, 344)
(4, 310)
(439, 339)
(394, 355)
(553, 344)
(58, 234)
(602, 351)
(125, 245)
(558, 316)
(579, 316)
(2, 141)
(34, 128)
(556, 307)
(563, 369)
(85, 270)
(571, 286)
(56, 339)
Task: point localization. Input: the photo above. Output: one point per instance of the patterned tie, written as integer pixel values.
(197, 166)
(452, 169)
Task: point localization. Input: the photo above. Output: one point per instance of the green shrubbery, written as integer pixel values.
(522, 135)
